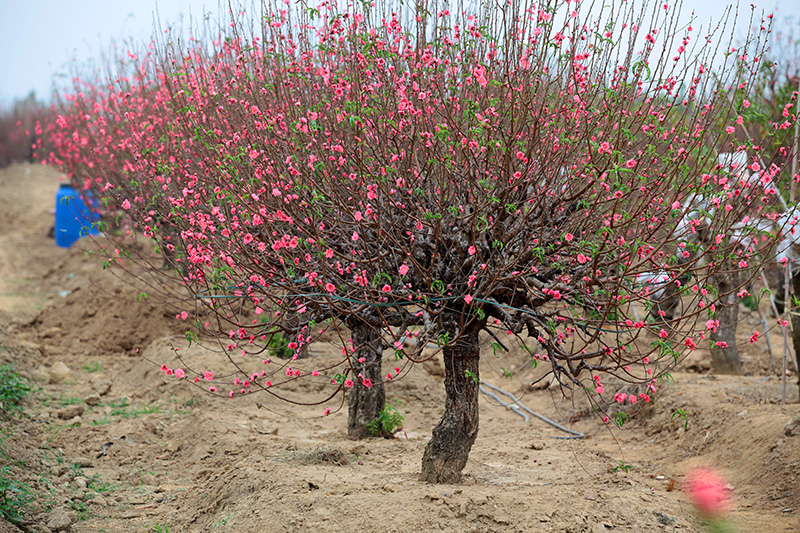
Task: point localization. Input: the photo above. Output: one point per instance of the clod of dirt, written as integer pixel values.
(53, 332)
(59, 470)
(83, 462)
(61, 519)
(71, 411)
(59, 372)
(92, 399)
(101, 386)
(792, 428)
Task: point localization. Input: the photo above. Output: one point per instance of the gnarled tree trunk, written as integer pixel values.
(447, 452)
(725, 360)
(365, 403)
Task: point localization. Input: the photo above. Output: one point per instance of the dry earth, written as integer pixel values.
(125, 448)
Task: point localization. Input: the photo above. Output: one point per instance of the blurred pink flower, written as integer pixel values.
(707, 491)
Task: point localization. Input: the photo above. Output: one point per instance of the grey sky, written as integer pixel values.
(38, 38)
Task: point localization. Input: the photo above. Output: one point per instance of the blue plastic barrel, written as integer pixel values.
(73, 218)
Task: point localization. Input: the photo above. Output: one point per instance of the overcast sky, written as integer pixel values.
(39, 38)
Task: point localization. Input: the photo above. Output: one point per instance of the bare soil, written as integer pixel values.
(158, 454)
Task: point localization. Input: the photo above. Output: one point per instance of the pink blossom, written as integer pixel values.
(480, 75)
(468, 298)
(707, 491)
(330, 287)
(126, 204)
(348, 383)
(367, 383)
(179, 373)
(630, 163)
(355, 236)
(403, 269)
(326, 412)
(568, 237)
(471, 250)
(386, 288)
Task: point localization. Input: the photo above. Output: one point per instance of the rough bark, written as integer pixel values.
(447, 452)
(365, 403)
(726, 360)
(795, 314)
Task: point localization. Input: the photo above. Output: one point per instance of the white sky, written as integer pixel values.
(39, 38)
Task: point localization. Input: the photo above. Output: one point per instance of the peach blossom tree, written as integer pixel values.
(548, 173)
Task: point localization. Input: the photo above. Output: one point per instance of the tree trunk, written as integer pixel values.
(447, 452)
(365, 403)
(795, 319)
(726, 360)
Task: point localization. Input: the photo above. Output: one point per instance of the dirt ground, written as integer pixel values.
(112, 444)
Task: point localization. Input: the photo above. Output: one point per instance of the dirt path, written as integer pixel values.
(28, 197)
(125, 448)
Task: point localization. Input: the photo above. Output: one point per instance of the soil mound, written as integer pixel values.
(107, 441)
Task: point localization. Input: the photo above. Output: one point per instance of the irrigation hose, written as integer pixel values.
(516, 405)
